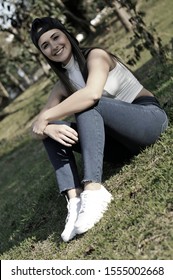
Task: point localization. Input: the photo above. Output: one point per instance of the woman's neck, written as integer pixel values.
(70, 64)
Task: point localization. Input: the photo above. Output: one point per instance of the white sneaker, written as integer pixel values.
(73, 207)
(93, 205)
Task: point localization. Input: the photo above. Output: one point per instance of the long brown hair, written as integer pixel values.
(42, 25)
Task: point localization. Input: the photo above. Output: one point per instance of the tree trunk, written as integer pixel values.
(4, 99)
(3, 91)
(123, 16)
(15, 81)
(45, 66)
(23, 74)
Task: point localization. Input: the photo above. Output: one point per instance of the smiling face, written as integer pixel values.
(55, 45)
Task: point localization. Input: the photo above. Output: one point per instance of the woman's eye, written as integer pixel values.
(45, 46)
(55, 38)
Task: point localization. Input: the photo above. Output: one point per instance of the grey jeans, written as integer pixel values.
(112, 130)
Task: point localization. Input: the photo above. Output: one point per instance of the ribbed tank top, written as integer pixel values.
(121, 83)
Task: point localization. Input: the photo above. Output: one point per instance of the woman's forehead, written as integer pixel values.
(48, 34)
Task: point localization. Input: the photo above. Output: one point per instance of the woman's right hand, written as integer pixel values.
(62, 133)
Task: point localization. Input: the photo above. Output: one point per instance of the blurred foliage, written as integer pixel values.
(144, 37)
(17, 15)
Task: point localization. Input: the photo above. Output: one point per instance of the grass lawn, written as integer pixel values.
(138, 223)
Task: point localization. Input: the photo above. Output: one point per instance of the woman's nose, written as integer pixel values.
(54, 47)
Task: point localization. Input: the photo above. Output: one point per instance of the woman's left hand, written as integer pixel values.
(39, 125)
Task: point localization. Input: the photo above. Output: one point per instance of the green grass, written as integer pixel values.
(139, 222)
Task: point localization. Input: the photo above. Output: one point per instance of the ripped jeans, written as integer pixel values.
(112, 130)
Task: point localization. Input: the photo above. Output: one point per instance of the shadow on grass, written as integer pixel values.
(158, 78)
(30, 205)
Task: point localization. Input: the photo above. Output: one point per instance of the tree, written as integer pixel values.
(8, 78)
(3, 92)
(4, 95)
(20, 22)
(144, 37)
(121, 13)
(76, 15)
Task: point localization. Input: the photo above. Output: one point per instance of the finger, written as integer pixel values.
(37, 131)
(64, 143)
(71, 130)
(67, 139)
(70, 135)
(59, 139)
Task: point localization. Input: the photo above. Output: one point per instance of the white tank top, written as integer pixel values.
(121, 83)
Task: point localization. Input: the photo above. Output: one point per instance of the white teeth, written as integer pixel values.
(60, 51)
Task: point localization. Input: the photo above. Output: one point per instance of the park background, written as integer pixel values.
(139, 222)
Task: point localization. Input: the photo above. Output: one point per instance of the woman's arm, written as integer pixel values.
(58, 93)
(99, 63)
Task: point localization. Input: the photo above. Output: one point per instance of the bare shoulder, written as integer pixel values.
(98, 53)
(101, 55)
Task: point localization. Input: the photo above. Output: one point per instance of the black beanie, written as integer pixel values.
(42, 25)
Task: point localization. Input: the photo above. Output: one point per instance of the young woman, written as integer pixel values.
(115, 118)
